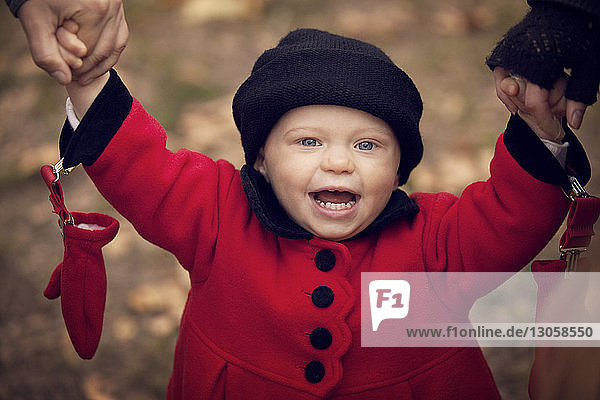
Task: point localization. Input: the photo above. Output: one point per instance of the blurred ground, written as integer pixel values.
(184, 61)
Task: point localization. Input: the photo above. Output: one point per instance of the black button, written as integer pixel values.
(325, 260)
(322, 296)
(320, 338)
(314, 372)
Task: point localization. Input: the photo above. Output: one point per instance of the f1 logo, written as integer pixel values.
(389, 299)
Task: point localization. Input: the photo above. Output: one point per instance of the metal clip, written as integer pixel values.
(577, 190)
(571, 255)
(62, 224)
(58, 168)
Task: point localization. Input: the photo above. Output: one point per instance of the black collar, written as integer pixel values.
(272, 216)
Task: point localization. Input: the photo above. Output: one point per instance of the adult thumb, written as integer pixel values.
(583, 83)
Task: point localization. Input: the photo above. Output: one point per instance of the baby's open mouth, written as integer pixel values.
(335, 199)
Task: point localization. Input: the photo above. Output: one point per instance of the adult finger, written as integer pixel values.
(537, 102)
(500, 74)
(582, 89)
(515, 87)
(575, 112)
(510, 87)
(39, 24)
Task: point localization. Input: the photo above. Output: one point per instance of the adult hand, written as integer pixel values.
(102, 28)
(538, 101)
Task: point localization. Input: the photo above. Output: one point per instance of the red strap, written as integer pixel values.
(583, 214)
(56, 194)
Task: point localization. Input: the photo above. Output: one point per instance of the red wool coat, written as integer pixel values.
(249, 329)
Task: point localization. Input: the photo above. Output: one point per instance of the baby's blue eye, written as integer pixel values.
(366, 146)
(309, 142)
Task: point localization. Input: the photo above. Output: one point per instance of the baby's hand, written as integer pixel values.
(71, 48)
(549, 127)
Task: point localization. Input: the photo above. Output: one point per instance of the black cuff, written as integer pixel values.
(98, 126)
(535, 158)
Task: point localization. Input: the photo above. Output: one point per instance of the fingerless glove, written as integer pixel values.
(14, 5)
(591, 7)
(550, 39)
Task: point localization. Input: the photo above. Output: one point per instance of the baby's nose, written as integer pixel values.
(337, 161)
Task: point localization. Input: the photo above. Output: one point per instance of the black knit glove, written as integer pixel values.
(549, 39)
(14, 5)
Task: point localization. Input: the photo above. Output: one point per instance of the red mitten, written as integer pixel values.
(52, 291)
(80, 279)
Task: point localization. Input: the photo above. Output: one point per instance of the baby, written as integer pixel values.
(330, 129)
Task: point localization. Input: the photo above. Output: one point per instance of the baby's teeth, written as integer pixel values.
(336, 206)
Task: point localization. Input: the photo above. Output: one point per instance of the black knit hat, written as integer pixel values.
(309, 67)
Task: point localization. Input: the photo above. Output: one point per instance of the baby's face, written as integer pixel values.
(332, 168)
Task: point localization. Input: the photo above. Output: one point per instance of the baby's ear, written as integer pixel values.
(259, 164)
